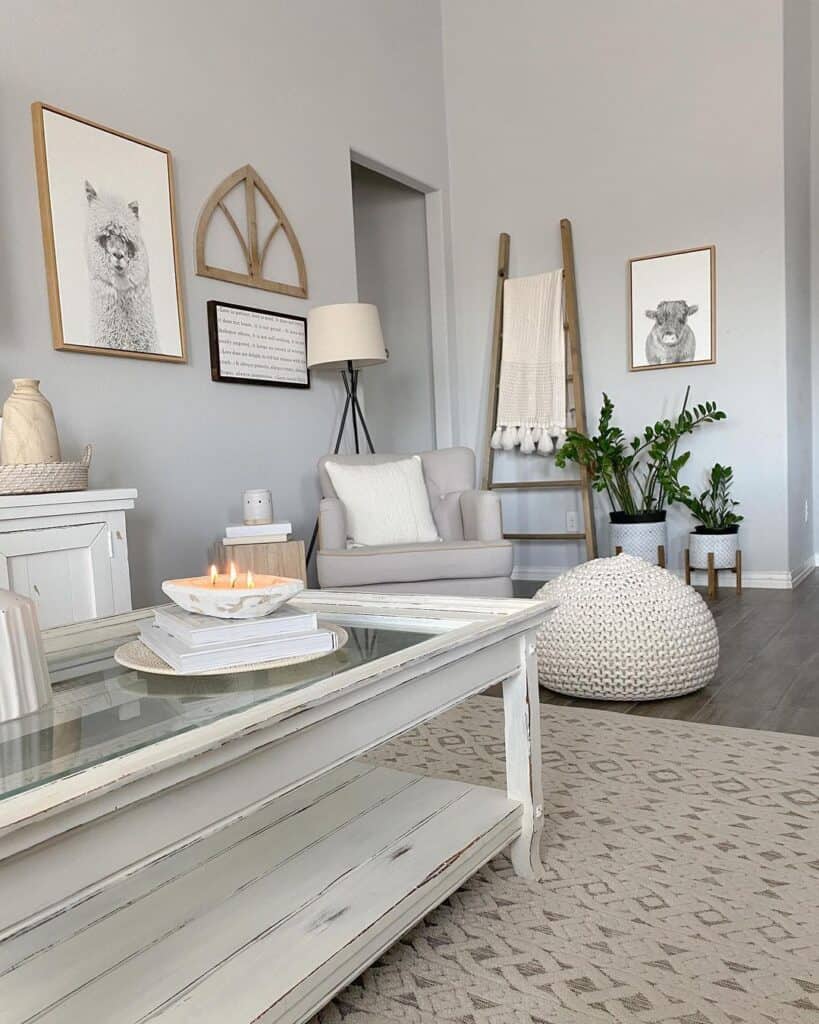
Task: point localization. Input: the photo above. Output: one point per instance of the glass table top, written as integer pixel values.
(101, 710)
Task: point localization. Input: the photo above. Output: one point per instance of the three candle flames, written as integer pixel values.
(233, 578)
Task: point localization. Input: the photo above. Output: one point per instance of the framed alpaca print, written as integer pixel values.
(109, 234)
(672, 309)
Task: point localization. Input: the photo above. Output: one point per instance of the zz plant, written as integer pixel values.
(713, 508)
(639, 476)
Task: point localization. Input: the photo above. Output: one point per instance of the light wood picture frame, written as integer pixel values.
(676, 291)
(110, 240)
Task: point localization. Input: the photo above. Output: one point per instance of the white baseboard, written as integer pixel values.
(771, 580)
(760, 580)
(800, 575)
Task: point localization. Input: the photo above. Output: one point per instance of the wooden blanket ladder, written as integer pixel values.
(576, 397)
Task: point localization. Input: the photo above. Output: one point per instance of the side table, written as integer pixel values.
(284, 558)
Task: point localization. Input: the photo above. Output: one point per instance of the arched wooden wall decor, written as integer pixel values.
(254, 253)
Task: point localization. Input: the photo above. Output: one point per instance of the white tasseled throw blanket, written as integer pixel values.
(532, 399)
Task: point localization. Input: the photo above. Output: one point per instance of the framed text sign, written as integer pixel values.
(257, 346)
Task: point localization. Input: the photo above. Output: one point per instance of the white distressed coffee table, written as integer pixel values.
(212, 850)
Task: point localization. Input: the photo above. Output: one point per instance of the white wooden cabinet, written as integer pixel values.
(67, 551)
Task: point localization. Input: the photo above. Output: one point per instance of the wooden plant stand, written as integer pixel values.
(660, 554)
(713, 589)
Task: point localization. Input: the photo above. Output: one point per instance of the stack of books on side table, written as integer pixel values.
(192, 643)
(268, 533)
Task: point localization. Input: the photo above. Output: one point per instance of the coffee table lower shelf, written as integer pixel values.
(265, 919)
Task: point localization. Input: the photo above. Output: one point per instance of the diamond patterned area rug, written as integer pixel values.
(682, 882)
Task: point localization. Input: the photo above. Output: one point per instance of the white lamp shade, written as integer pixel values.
(343, 333)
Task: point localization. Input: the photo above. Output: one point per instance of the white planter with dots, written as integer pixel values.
(723, 545)
(639, 539)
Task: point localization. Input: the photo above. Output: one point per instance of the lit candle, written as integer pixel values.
(214, 575)
(233, 575)
(250, 583)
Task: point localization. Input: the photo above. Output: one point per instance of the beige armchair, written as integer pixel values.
(472, 557)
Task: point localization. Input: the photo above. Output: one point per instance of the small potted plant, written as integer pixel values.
(636, 475)
(718, 530)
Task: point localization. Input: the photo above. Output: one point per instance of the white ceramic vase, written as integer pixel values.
(722, 545)
(639, 539)
(25, 685)
(29, 435)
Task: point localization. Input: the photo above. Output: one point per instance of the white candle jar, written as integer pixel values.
(258, 507)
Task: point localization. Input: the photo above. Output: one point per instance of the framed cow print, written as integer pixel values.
(672, 309)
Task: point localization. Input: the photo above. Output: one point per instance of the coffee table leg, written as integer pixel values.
(524, 783)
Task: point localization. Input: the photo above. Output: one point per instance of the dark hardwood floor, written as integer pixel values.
(768, 675)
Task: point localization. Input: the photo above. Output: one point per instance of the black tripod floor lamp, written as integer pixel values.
(346, 337)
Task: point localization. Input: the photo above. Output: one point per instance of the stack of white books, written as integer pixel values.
(192, 643)
(268, 533)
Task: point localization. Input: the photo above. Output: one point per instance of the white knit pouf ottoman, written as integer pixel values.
(625, 630)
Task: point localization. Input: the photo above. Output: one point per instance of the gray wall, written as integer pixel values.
(653, 127)
(814, 235)
(797, 134)
(288, 87)
(581, 110)
(393, 273)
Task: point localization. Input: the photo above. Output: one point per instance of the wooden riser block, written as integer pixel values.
(281, 559)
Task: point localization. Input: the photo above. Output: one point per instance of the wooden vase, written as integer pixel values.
(29, 435)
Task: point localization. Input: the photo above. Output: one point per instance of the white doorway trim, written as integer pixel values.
(438, 303)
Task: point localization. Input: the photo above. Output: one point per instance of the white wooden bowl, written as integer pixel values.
(222, 601)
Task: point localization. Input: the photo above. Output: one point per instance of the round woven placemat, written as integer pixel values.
(136, 655)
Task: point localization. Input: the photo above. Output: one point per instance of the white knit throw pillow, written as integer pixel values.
(385, 502)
